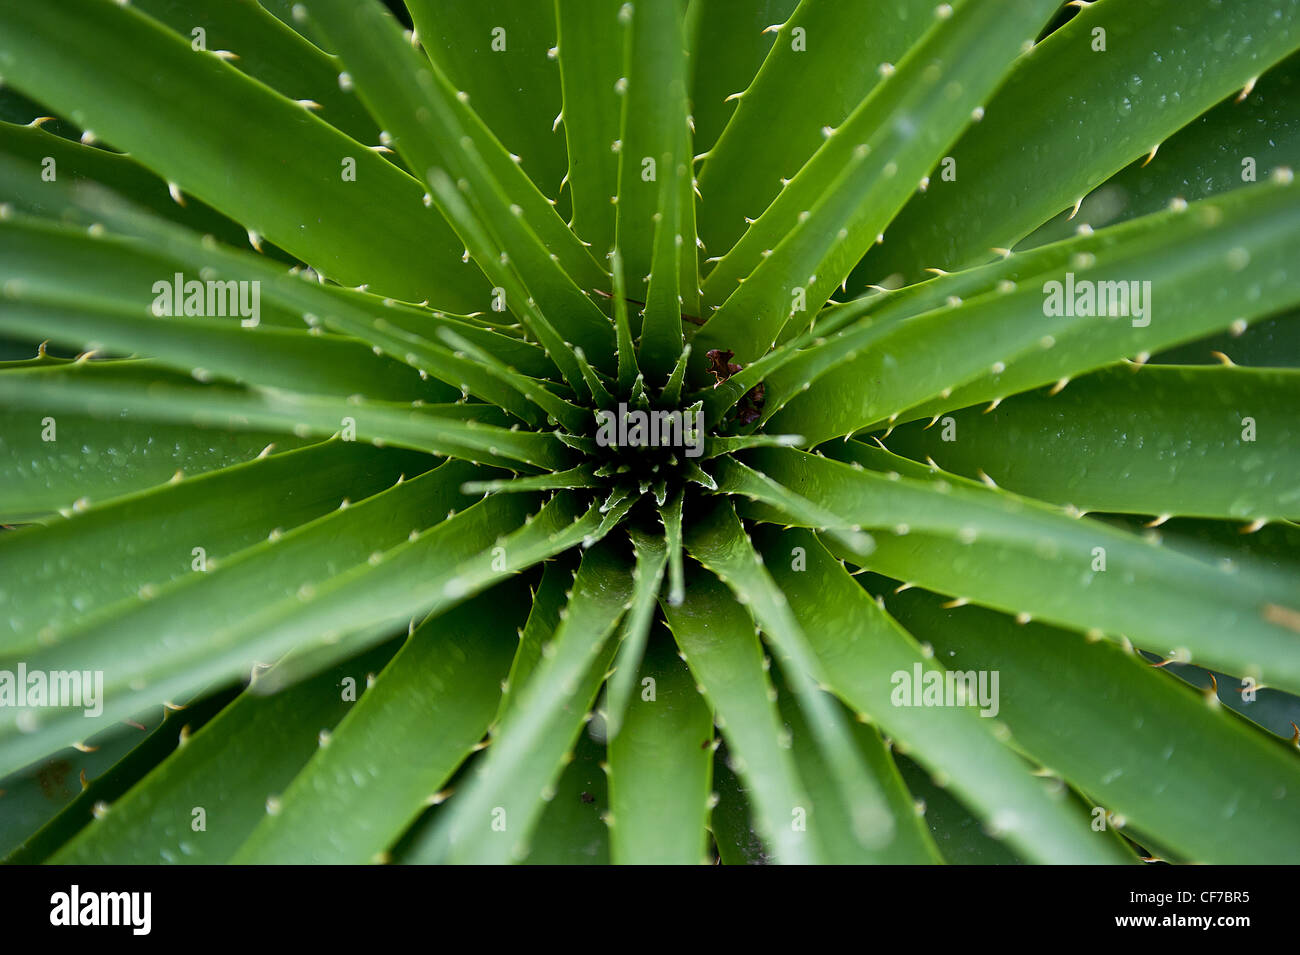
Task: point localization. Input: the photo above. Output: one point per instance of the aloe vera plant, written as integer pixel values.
(791, 431)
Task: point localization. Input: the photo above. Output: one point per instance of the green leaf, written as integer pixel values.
(656, 199)
(733, 833)
(911, 845)
(282, 10)
(74, 163)
(234, 347)
(45, 261)
(1263, 127)
(95, 457)
(463, 558)
(339, 575)
(546, 606)
(235, 786)
(660, 765)
(629, 374)
(535, 390)
(647, 577)
(959, 835)
(465, 569)
(111, 388)
(124, 273)
(15, 108)
(591, 43)
(560, 525)
(1272, 343)
(1071, 115)
(864, 651)
(723, 395)
(719, 543)
(1274, 545)
(1018, 556)
(578, 477)
(697, 475)
(434, 130)
(572, 830)
(504, 340)
(51, 801)
(591, 378)
(524, 760)
(501, 53)
(488, 250)
(1005, 339)
(54, 576)
(270, 51)
(1208, 442)
(242, 552)
(725, 445)
(386, 760)
(671, 516)
(735, 478)
(808, 240)
(673, 390)
(727, 43)
(614, 509)
(242, 125)
(824, 44)
(1194, 777)
(718, 639)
